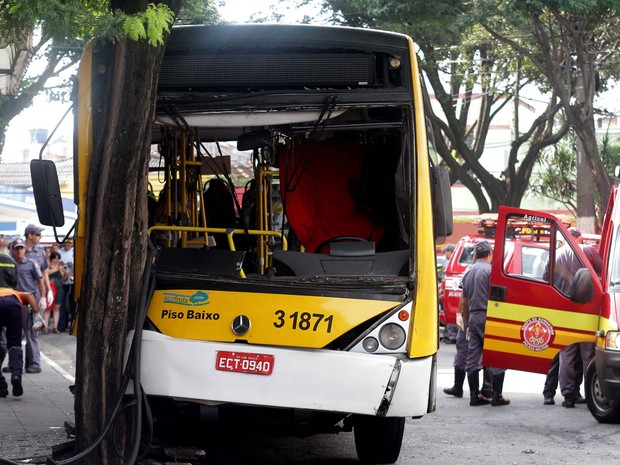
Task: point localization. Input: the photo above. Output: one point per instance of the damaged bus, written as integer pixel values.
(308, 292)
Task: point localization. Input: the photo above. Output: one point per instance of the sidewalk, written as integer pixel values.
(33, 423)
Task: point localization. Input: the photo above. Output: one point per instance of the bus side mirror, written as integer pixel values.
(46, 189)
(582, 288)
(442, 202)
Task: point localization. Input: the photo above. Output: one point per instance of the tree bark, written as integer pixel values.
(586, 212)
(124, 91)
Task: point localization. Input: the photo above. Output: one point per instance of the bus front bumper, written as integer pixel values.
(320, 380)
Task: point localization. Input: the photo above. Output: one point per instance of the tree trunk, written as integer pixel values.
(124, 90)
(3, 128)
(602, 182)
(586, 213)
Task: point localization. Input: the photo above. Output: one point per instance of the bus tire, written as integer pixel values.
(603, 409)
(378, 439)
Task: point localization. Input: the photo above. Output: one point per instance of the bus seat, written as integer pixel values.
(317, 197)
(199, 261)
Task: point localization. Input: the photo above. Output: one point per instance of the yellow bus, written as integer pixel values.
(308, 292)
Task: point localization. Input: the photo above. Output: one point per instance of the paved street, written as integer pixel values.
(525, 432)
(33, 423)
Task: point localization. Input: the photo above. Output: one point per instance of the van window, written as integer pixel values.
(614, 265)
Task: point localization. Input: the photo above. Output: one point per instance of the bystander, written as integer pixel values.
(29, 279)
(67, 305)
(4, 245)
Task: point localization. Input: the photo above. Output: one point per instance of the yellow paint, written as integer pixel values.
(425, 319)
(281, 319)
(568, 328)
(518, 348)
(84, 155)
(513, 331)
(605, 324)
(564, 319)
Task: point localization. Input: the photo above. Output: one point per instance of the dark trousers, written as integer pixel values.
(569, 379)
(553, 376)
(11, 319)
(67, 308)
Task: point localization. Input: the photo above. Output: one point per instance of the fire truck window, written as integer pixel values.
(565, 265)
(526, 248)
(467, 255)
(533, 260)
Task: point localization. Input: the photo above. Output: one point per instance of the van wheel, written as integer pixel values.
(603, 409)
(378, 439)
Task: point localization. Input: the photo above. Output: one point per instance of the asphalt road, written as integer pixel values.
(525, 432)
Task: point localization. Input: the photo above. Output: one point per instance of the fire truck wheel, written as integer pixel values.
(378, 439)
(603, 409)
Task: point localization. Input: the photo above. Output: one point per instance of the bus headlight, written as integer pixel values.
(612, 340)
(392, 336)
(370, 344)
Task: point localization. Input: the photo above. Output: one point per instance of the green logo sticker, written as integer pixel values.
(199, 298)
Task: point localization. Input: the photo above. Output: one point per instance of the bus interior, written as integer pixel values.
(326, 197)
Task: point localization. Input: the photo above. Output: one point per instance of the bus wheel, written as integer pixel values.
(603, 409)
(378, 439)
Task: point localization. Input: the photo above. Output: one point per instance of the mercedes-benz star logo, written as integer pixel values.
(240, 325)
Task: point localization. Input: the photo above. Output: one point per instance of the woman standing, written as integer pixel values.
(57, 274)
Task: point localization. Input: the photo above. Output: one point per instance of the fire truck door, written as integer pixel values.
(551, 302)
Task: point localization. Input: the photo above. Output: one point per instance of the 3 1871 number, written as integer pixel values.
(304, 321)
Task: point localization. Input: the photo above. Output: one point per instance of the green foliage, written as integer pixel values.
(57, 19)
(198, 12)
(68, 20)
(151, 24)
(556, 178)
(557, 175)
(591, 8)
(610, 153)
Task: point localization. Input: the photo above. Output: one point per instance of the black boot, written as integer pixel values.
(498, 386)
(4, 389)
(16, 383)
(459, 379)
(487, 384)
(2, 356)
(475, 398)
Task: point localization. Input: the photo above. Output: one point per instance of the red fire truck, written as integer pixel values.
(530, 319)
(525, 253)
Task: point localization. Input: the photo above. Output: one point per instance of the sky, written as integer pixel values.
(240, 11)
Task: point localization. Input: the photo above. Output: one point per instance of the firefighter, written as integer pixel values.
(475, 300)
(11, 321)
(460, 360)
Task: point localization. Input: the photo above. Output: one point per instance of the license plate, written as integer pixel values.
(243, 362)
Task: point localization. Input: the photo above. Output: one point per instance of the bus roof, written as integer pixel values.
(191, 38)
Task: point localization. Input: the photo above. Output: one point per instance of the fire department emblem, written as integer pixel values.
(537, 333)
